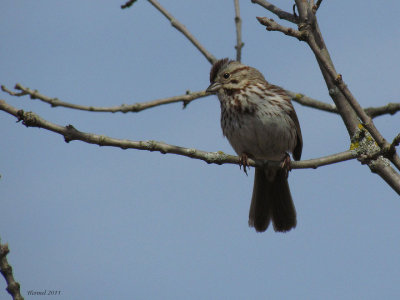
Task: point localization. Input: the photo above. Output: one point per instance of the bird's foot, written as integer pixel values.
(286, 168)
(244, 161)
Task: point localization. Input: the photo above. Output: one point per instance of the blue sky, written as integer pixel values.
(101, 223)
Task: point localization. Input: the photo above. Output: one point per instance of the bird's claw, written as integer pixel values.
(244, 161)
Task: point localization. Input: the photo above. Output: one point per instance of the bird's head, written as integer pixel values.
(231, 75)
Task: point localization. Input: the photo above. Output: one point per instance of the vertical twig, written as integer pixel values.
(238, 22)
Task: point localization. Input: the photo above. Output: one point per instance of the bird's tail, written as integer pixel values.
(271, 201)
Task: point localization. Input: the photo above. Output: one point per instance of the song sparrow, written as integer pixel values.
(260, 122)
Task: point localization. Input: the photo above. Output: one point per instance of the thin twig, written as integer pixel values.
(136, 107)
(310, 102)
(325, 160)
(271, 25)
(373, 112)
(277, 11)
(179, 26)
(390, 108)
(238, 23)
(13, 287)
(70, 133)
(302, 99)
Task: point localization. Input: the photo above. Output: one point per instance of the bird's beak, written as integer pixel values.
(214, 87)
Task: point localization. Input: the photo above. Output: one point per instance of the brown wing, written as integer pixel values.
(299, 145)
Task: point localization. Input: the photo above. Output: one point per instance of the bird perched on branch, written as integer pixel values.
(260, 123)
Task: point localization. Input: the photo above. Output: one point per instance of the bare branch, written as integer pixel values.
(367, 120)
(69, 133)
(325, 160)
(271, 25)
(347, 105)
(346, 92)
(310, 102)
(136, 107)
(304, 100)
(306, 34)
(238, 22)
(373, 112)
(390, 108)
(179, 26)
(277, 11)
(13, 287)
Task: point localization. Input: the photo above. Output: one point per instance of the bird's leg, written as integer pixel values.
(286, 165)
(244, 161)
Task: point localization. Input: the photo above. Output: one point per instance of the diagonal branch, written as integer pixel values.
(277, 11)
(346, 92)
(366, 120)
(307, 35)
(179, 26)
(69, 133)
(13, 287)
(238, 22)
(136, 107)
(347, 105)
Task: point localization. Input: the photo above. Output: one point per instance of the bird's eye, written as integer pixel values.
(226, 75)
